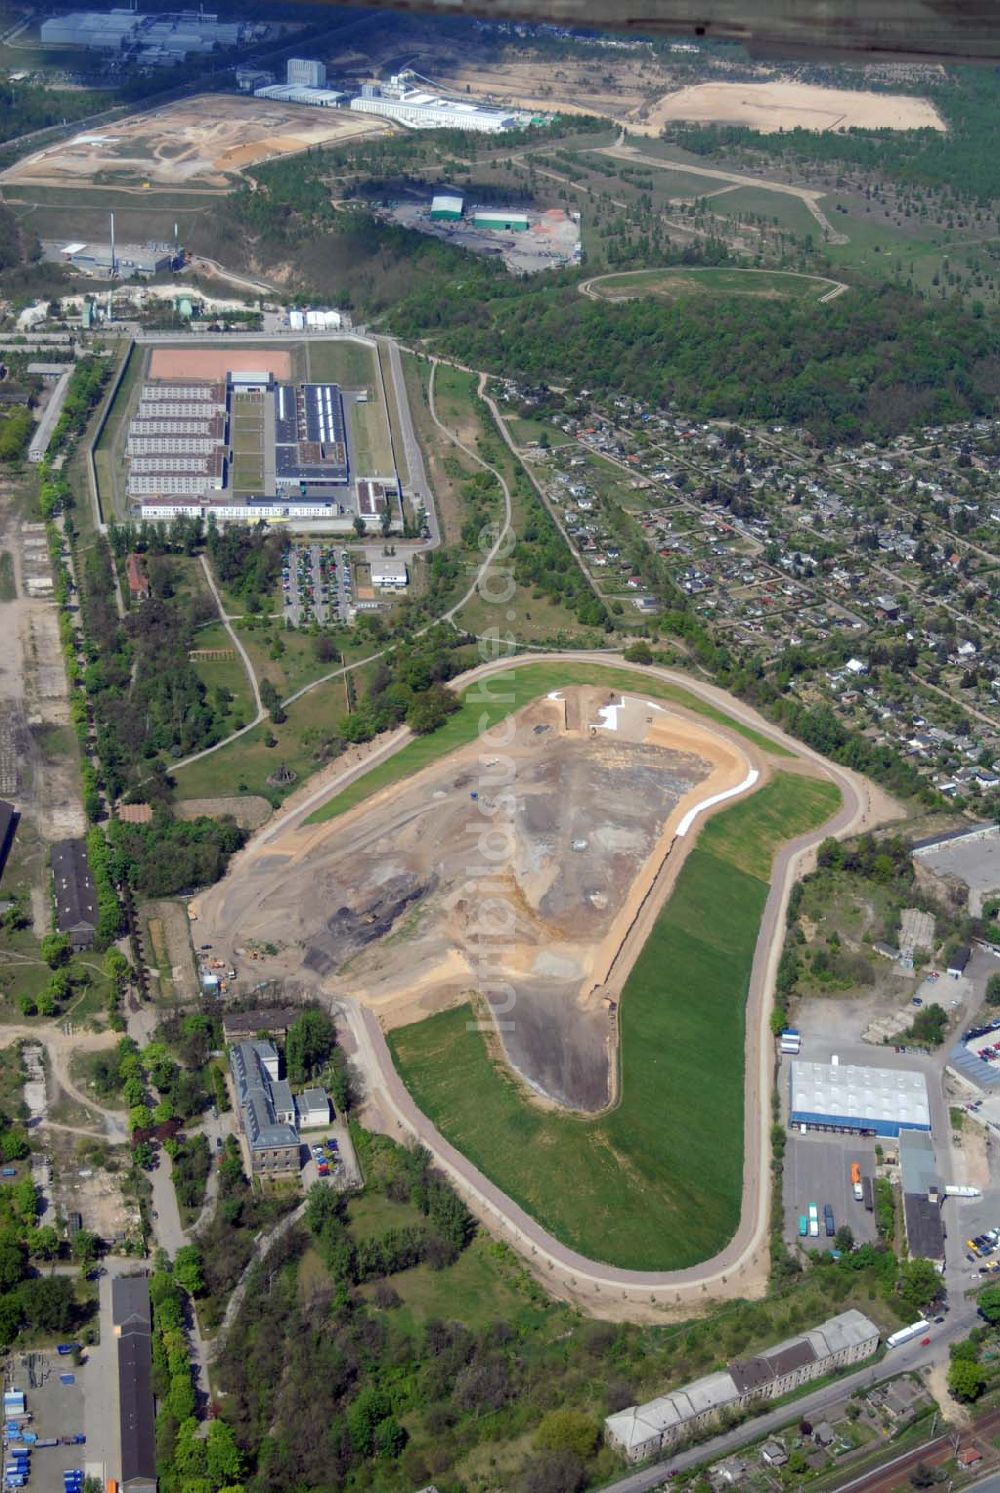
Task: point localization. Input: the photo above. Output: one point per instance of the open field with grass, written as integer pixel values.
(368, 436)
(109, 453)
(245, 765)
(655, 1183)
(723, 280)
(247, 437)
(227, 673)
(789, 212)
(343, 361)
(82, 212)
(510, 693)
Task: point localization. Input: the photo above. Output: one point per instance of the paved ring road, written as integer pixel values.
(608, 1289)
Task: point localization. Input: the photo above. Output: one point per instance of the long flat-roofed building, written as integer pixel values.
(923, 1195)
(644, 1431)
(75, 897)
(871, 1101)
(132, 1321)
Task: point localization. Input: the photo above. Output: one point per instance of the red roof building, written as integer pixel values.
(138, 581)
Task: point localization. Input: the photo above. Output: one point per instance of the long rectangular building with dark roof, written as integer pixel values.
(643, 1431)
(76, 900)
(131, 1318)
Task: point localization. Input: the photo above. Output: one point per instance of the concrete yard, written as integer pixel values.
(56, 1410)
(976, 861)
(818, 1170)
(522, 873)
(551, 241)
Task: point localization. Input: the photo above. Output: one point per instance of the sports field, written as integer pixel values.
(507, 694)
(672, 283)
(656, 1183)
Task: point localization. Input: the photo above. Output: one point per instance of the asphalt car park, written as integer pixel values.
(818, 1170)
(316, 584)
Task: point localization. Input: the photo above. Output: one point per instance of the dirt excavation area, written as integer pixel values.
(773, 106)
(517, 876)
(201, 143)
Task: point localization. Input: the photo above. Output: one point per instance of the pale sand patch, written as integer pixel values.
(250, 810)
(770, 107)
(196, 142)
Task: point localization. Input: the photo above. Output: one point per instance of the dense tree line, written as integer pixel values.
(247, 559)
(867, 365)
(16, 427)
(173, 855)
(31, 106)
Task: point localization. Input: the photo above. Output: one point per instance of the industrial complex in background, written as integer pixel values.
(155, 39)
(398, 100)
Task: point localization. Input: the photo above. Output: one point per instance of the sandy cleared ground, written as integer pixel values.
(249, 810)
(425, 894)
(201, 143)
(774, 106)
(213, 363)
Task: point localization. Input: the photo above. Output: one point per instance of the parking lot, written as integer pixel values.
(316, 584)
(56, 1410)
(818, 1170)
(333, 1148)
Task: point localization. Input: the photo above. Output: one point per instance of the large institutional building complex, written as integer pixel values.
(183, 446)
(643, 1431)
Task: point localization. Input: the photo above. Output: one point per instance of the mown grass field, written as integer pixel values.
(714, 280)
(509, 693)
(656, 1183)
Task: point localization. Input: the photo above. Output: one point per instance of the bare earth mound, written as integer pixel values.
(200, 143)
(770, 107)
(249, 810)
(520, 871)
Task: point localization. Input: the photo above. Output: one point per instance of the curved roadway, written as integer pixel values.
(739, 1268)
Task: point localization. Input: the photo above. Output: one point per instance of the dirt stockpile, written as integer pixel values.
(512, 877)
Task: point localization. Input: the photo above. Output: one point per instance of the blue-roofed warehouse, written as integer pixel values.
(870, 1101)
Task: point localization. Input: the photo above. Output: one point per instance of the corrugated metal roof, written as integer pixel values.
(889, 1095)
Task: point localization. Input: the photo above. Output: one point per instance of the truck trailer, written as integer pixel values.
(915, 1329)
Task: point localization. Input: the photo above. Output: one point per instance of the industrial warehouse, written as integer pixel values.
(525, 239)
(644, 1431)
(154, 39)
(871, 1101)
